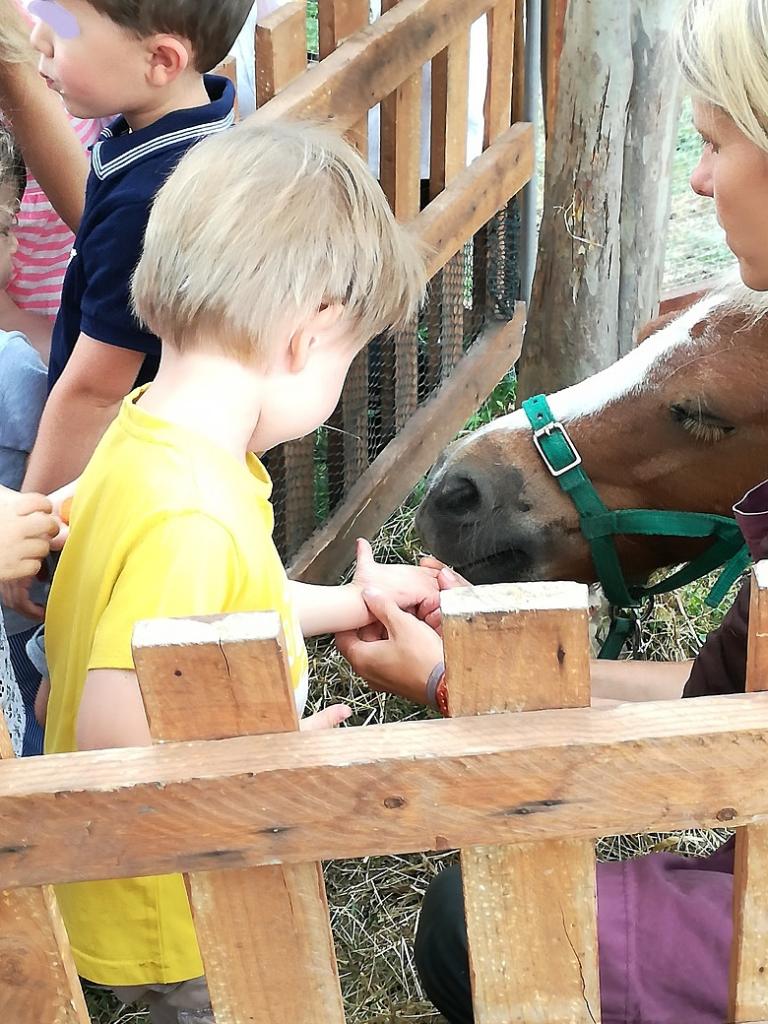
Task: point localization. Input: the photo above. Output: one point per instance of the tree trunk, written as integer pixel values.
(606, 191)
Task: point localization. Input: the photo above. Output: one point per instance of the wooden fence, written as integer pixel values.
(408, 396)
(232, 795)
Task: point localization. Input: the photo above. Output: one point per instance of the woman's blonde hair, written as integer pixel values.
(722, 49)
(15, 47)
(260, 227)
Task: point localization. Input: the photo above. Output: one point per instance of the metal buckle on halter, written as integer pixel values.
(547, 431)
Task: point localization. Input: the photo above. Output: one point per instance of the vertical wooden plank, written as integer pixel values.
(337, 21)
(531, 913)
(400, 172)
(264, 933)
(749, 959)
(38, 977)
(281, 49)
(281, 57)
(501, 55)
(299, 460)
(448, 157)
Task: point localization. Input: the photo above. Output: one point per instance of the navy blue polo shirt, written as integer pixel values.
(127, 169)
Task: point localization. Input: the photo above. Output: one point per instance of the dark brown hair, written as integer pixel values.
(211, 28)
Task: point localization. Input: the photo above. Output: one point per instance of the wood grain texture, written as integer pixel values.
(531, 909)
(281, 49)
(375, 61)
(264, 932)
(501, 54)
(749, 961)
(396, 471)
(581, 772)
(473, 197)
(38, 977)
(337, 21)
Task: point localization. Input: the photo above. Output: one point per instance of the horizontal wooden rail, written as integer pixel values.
(475, 195)
(374, 62)
(397, 788)
(409, 456)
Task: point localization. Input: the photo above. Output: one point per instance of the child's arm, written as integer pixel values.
(40, 124)
(336, 609)
(119, 719)
(81, 406)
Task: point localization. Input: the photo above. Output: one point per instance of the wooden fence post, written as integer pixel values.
(38, 977)
(749, 962)
(264, 933)
(530, 908)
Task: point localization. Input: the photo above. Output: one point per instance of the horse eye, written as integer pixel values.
(703, 426)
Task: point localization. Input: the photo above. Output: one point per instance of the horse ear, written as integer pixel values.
(671, 307)
(656, 325)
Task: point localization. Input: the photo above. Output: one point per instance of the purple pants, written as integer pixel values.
(664, 927)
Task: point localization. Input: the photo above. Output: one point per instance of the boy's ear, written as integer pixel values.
(168, 58)
(305, 338)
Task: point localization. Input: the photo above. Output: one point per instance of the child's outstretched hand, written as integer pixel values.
(328, 718)
(407, 585)
(27, 528)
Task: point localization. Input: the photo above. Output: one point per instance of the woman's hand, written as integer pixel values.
(396, 659)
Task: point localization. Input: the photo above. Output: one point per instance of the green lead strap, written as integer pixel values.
(600, 525)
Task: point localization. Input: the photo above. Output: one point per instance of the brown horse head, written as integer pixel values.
(680, 423)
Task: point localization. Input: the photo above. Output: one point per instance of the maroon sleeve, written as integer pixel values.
(721, 665)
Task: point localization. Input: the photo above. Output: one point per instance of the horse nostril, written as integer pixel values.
(458, 496)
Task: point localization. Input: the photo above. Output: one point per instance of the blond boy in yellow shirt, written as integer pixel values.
(271, 258)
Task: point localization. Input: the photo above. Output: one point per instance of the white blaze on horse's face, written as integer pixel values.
(591, 396)
(665, 427)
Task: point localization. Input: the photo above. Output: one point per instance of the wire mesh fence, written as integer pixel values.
(391, 378)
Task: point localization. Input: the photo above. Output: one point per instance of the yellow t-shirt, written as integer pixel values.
(164, 524)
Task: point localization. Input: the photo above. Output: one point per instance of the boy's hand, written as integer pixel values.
(328, 718)
(407, 585)
(397, 661)
(27, 528)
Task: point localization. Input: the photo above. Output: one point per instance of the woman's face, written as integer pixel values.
(734, 172)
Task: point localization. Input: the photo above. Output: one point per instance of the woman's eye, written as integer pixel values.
(700, 425)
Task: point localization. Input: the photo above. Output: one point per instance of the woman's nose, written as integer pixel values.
(701, 179)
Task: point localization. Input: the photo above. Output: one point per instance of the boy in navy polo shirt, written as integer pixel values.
(145, 58)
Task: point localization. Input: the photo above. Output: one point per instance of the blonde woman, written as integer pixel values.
(664, 920)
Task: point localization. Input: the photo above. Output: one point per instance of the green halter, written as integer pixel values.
(599, 526)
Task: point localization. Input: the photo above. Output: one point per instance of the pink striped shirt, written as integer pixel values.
(45, 242)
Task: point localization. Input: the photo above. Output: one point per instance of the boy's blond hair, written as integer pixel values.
(15, 47)
(722, 50)
(261, 226)
(211, 28)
